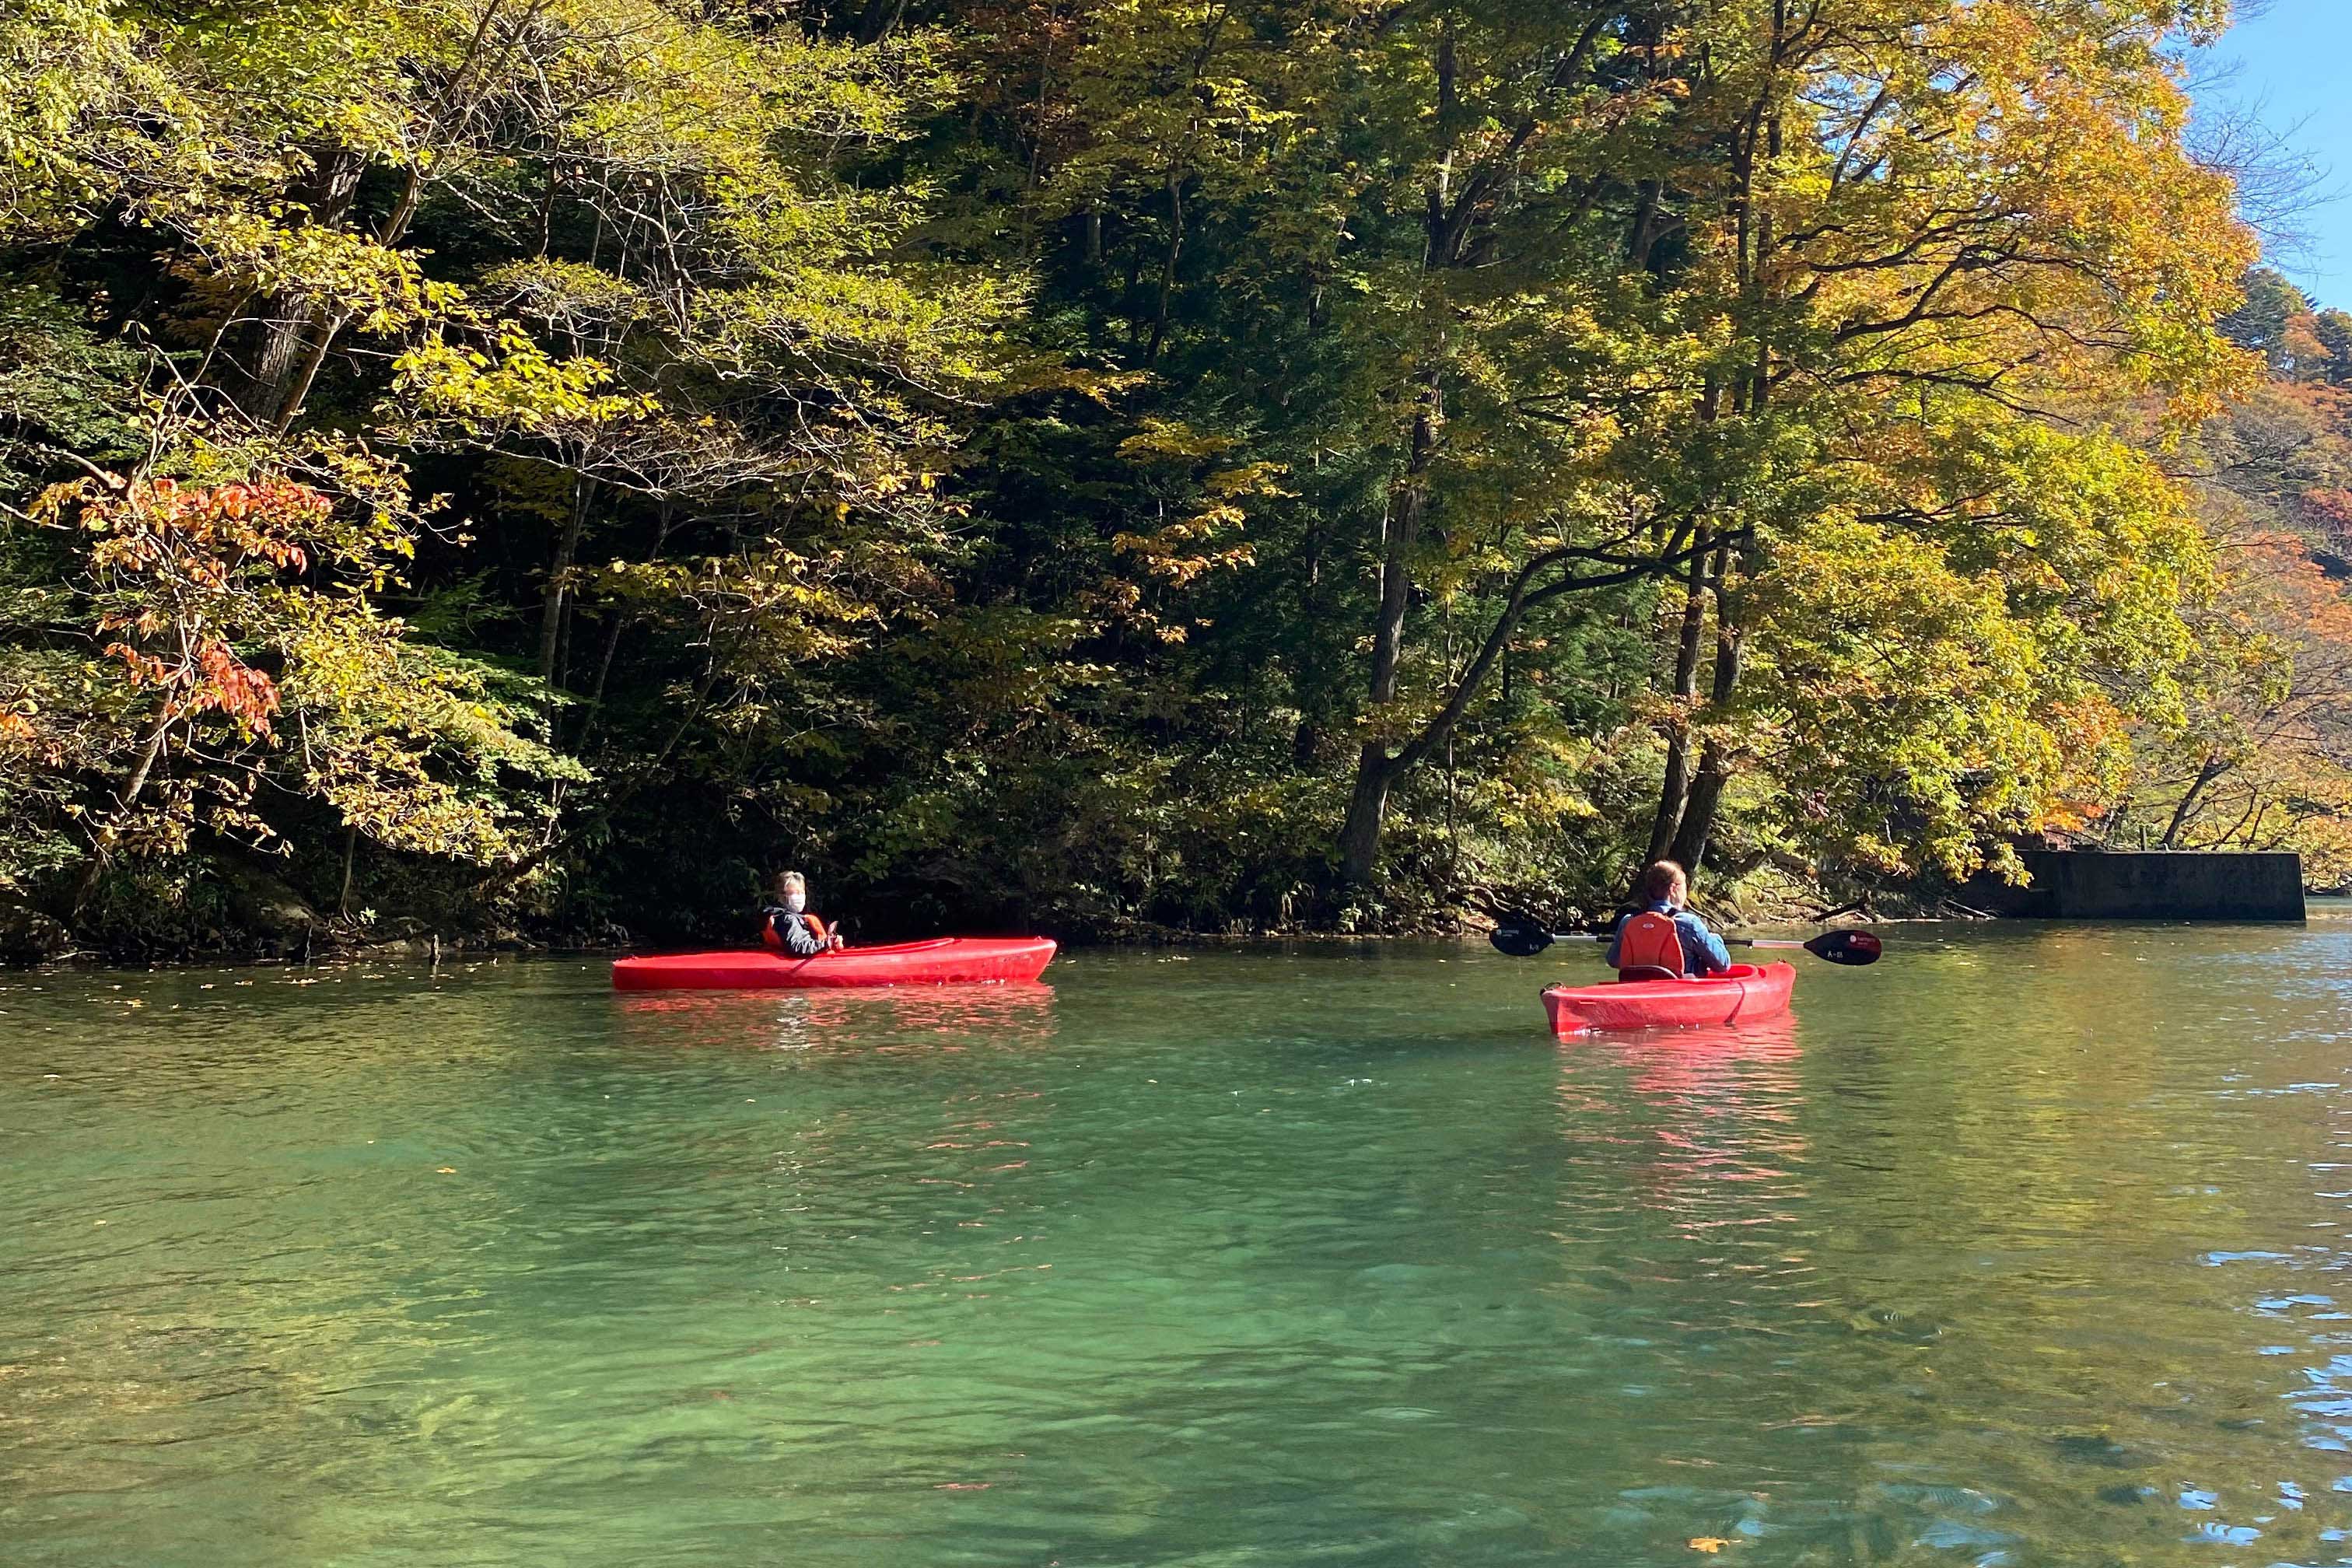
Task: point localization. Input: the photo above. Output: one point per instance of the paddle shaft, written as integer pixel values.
(1728, 941)
(1854, 948)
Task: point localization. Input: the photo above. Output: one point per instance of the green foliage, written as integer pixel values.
(63, 392)
(2260, 324)
(1103, 464)
(238, 665)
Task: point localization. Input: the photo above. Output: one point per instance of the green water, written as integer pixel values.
(2028, 1247)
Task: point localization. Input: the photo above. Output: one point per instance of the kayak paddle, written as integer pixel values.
(1851, 947)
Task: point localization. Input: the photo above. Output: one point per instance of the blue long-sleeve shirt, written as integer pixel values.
(1703, 951)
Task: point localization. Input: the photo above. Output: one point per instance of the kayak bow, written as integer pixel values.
(1743, 994)
(941, 961)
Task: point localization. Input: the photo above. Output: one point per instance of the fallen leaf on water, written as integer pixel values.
(447, 1171)
(1707, 1544)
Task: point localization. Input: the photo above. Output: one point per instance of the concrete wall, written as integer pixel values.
(2083, 885)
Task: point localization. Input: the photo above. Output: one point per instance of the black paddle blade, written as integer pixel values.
(1853, 947)
(1520, 941)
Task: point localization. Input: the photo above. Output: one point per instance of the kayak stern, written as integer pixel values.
(1747, 993)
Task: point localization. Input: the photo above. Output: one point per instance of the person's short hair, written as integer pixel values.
(1661, 880)
(791, 880)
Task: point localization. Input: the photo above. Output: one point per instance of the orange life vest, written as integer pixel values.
(1647, 941)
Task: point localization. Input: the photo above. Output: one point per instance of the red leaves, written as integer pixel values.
(143, 669)
(236, 689)
(163, 528)
(215, 681)
(184, 567)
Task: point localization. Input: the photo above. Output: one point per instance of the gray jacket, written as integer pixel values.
(793, 931)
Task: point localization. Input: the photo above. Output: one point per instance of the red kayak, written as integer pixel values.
(941, 961)
(1741, 996)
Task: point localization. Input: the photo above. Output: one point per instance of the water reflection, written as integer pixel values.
(1721, 1141)
(947, 1019)
(1698, 1069)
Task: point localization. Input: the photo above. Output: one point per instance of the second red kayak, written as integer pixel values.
(941, 961)
(1743, 995)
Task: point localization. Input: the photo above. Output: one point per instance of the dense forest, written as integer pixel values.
(1108, 465)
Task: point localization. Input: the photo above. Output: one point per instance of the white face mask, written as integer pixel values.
(796, 902)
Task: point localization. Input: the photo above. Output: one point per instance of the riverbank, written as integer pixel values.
(229, 906)
(238, 910)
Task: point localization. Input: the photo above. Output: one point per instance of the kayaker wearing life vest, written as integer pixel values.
(786, 925)
(1678, 942)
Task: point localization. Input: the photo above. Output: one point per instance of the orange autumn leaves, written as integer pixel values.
(227, 523)
(164, 548)
(219, 655)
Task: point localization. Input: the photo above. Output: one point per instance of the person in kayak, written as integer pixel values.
(1664, 889)
(786, 925)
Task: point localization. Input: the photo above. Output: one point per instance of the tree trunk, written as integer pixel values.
(2185, 812)
(1643, 234)
(550, 622)
(258, 364)
(875, 23)
(271, 357)
(315, 342)
(623, 616)
(132, 787)
(1359, 835)
(1045, 91)
(1673, 793)
(1381, 768)
(1689, 848)
(1755, 243)
(1168, 267)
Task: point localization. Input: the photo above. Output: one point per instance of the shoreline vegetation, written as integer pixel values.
(286, 931)
(533, 469)
(346, 950)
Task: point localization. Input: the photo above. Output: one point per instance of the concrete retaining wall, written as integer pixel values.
(2083, 885)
